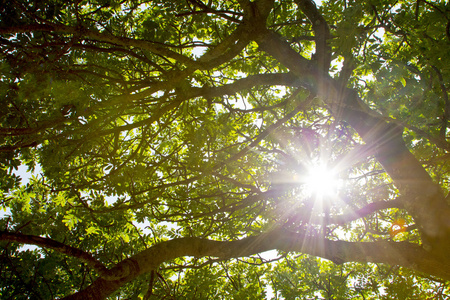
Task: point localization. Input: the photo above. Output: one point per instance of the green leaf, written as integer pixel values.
(403, 81)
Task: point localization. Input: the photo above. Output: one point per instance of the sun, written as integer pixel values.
(322, 181)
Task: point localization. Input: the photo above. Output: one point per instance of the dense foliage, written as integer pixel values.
(173, 143)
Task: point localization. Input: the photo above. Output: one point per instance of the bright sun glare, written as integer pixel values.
(322, 181)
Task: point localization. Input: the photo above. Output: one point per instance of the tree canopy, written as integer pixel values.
(174, 142)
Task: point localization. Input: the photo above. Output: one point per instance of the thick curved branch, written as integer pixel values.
(60, 247)
(226, 50)
(255, 15)
(286, 79)
(395, 253)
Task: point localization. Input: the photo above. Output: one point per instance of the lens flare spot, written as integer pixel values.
(397, 227)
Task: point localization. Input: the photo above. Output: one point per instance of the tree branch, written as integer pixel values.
(62, 248)
(366, 210)
(321, 30)
(395, 253)
(446, 116)
(99, 36)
